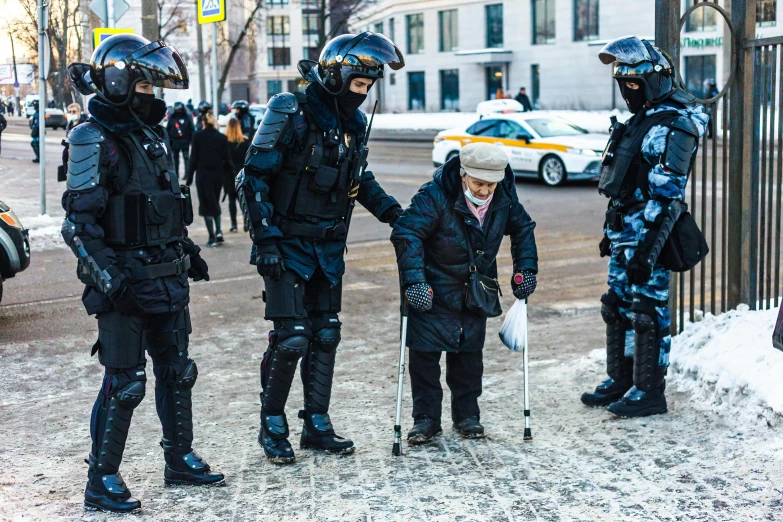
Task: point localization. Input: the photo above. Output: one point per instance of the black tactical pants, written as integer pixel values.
(463, 376)
(185, 158)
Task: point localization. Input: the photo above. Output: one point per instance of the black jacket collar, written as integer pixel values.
(323, 111)
(119, 120)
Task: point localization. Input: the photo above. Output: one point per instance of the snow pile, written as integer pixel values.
(729, 362)
(44, 232)
(591, 121)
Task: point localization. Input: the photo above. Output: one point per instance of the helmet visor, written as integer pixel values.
(622, 70)
(160, 65)
(371, 50)
(626, 49)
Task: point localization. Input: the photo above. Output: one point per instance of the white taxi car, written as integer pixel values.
(538, 146)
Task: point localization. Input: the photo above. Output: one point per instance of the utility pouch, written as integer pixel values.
(323, 179)
(187, 205)
(685, 247)
(124, 222)
(614, 219)
(618, 130)
(314, 161)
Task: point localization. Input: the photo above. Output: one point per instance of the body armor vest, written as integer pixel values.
(148, 208)
(627, 170)
(313, 183)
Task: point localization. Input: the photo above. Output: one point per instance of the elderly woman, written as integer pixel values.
(470, 203)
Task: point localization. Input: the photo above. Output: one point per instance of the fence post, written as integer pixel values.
(741, 161)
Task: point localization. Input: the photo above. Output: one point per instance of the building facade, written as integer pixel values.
(461, 52)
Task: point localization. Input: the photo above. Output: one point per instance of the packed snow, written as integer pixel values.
(44, 232)
(729, 364)
(591, 121)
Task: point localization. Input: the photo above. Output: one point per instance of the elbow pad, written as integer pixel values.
(84, 157)
(671, 214)
(681, 145)
(108, 279)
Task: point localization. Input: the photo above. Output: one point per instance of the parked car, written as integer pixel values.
(27, 106)
(538, 146)
(258, 110)
(55, 118)
(14, 246)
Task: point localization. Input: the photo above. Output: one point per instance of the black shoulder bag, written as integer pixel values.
(482, 296)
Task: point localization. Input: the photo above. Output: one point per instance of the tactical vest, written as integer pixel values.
(313, 183)
(148, 208)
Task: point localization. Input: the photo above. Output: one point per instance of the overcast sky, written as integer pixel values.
(11, 9)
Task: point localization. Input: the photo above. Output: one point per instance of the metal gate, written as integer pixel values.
(734, 192)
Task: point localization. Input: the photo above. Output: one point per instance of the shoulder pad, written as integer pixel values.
(683, 97)
(84, 154)
(684, 124)
(284, 102)
(273, 124)
(85, 133)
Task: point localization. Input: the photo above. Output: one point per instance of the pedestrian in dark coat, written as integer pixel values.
(210, 161)
(3, 125)
(473, 193)
(238, 144)
(522, 98)
(180, 130)
(75, 117)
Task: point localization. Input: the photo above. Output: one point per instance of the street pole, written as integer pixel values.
(215, 106)
(202, 77)
(16, 78)
(42, 101)
(110, 13)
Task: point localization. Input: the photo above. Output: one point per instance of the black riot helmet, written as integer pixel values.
(179, 107)
(640, 62)
(352, 56)
(123, 60)
(240, 105)
(204, 107)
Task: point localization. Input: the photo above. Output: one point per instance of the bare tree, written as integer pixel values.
(234, 47)
(173, 17)
(337, 13)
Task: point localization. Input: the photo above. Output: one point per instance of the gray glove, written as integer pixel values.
(419, 296)
(523, 284)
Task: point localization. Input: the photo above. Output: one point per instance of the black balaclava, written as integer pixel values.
(142, 103)
(348, 102)
(636, 99)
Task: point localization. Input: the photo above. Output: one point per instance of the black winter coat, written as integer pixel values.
(210, 161)
(180, 130)
(238, 153)
(431, 248)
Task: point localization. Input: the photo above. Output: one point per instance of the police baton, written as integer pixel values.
(397, 446)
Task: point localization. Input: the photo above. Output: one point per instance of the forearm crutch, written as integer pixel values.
(528, 436)
(397, 446)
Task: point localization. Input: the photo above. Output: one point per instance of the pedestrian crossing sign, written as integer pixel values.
(99, 34)
(210, 11)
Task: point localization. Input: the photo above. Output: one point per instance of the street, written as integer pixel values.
(691, 464)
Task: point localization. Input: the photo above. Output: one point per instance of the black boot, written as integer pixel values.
(318, 434)
(618, 367)
(278, 368)
(111, 417)
(424, 429)
(646, 397)
(470, 428)
(174, 381)
(317, 374)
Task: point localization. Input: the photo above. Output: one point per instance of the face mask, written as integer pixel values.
(634, 98)
(473, 199)
(72, 117)
(348, 102)
(142, 103)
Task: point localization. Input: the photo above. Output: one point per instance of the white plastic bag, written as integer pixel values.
(512, 333)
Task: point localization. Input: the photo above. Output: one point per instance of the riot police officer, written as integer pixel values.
(242, 112)
(35, 143)
(302, 172)
(180, 131)
(203, 109)
(125, 221)
(645, 171)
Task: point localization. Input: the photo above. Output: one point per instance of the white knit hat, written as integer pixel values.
(483, 161)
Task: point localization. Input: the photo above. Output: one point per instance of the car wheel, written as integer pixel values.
(552, 171)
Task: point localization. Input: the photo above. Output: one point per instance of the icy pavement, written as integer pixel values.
(583, 465)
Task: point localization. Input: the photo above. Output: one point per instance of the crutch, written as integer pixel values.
(397, 446)
(528, 436)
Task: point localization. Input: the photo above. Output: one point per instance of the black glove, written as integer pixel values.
(198, 267)
(639, 270)
(269, 262)
(605, 246)
(124, 300)
(419, 296)
(391, 215)
(523, 284)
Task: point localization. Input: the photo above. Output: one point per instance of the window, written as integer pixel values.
(482, 127)
(415, 27)
(276, 3)
(543, 21)
(278, 29)
(391, 29)
(766, 12)
(378, 28)
(535, 79)
(449, 90)
(310, 53)
(447, 21)
(416, 98)
(549, 127)
(701, 20)
(494, 15)
(699, 69)
(310, 24)
(586, 20)
(494, 82)
(273, 87)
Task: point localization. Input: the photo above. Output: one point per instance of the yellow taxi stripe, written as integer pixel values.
(507, 142)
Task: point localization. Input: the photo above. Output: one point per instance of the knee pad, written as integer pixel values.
(293, 347)
(642, 322)
(610, 314)
(187, 379)
(130, 389)
(327, 339)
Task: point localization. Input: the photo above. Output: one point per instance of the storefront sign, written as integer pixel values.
(700, 43)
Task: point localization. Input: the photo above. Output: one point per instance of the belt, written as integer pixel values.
(337, 231)
(176, 267)
(632, 208)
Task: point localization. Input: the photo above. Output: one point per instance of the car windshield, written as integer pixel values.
(550, 127)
